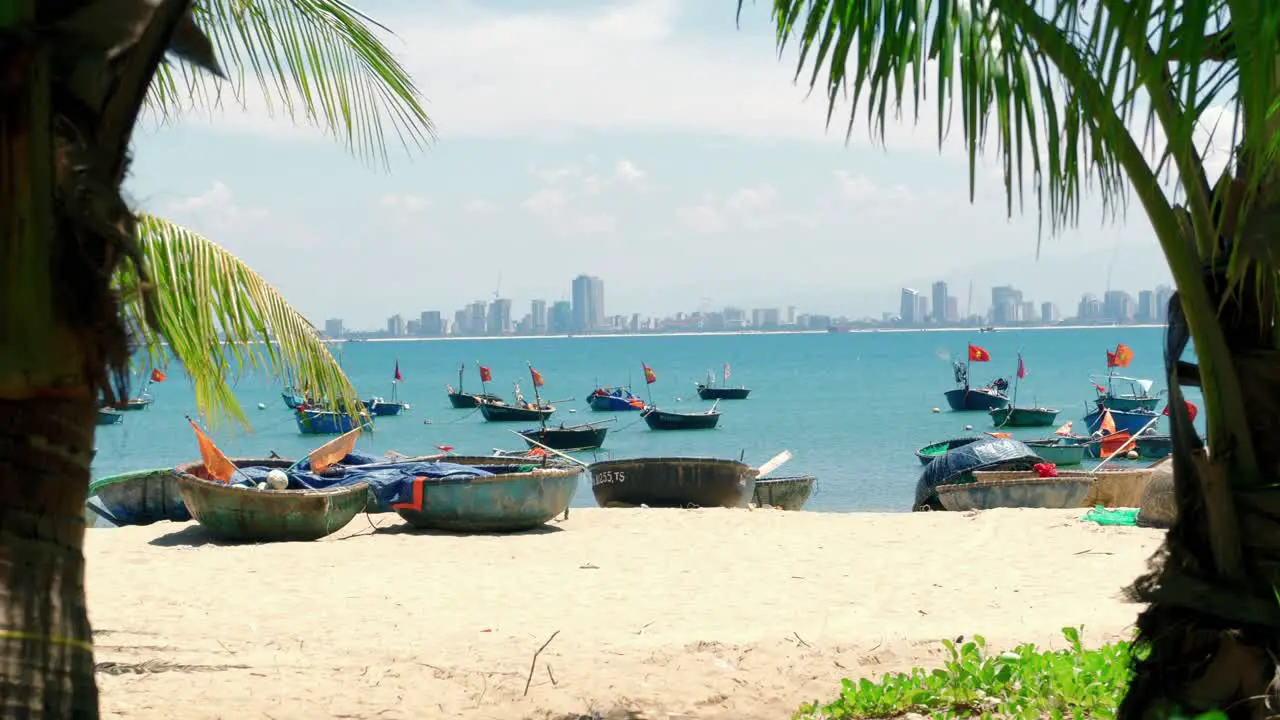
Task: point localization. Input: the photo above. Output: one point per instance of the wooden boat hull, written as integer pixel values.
(137, 498)
(715, 393)
(672, 482)
(242, 514)
(1058, 453)
(494, 412)
(1133, 422)
(975, 399)
(1112, 487)
(382, 408)
(109, 416)
(1049, 493)
(504, 503)
(613, 403)
(1154, 447)
(788, 493)
(576, 438)
(463, 401)
(663, 420)
(927, 453)
(325, 422)
(1023, 417)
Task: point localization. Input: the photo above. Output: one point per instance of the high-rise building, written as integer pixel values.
(477, 315)
(922, 309)
(431, 323)
(561, 317)
(940, 303)
(538, 317)
(588, 303)
(1146, 312)
(333, 328)
(908, 307)
(953, 309)
(1163, 294)
(1006, 304)
(1048, 313)
(396, 326)
(499, 319)
(1090, 308)
(1117, 305)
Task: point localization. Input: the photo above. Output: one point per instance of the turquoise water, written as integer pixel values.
(852, 407)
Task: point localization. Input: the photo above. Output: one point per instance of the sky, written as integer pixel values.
(653, 143)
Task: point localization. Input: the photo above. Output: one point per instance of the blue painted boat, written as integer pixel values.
(327, 422)
(109, 416)
(965, 398)
(614, 399)
(141, 497)
(516, 495)
(383, 408)
(294, 399)
(1131, 420)
(1154, 447)
(1132, 394)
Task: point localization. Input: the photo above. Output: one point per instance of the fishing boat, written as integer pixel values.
(1057, 493)
(667, 420)
(379, 407)
(710, 391)
(244, 513)
(140, 497)
(1059, 451)
(464, 400)
(314, 421)
(787, 493)
(964, 397)
(672, 482)
(614, 399)
(1014, 416)
(143, 400)
(1133, 421)
(109, 416)
(507, 494)
(567, 438)
(519, 411)
(927, 453)
(958, 465)
(1153, 447)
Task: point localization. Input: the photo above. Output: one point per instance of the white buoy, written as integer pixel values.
(968, 427)
(262, 406)
(1132, 455)
(573, 410)
(262, 486)
(406, 406)
(936, 411)
(277, 479)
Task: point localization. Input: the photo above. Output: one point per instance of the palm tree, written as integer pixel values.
(1060, 86)
(83, 281)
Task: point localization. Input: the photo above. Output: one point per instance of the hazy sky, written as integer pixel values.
(647, 142)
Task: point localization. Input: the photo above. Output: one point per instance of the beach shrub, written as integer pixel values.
(1025, 682)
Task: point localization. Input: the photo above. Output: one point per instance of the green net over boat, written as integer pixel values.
(1119, 516)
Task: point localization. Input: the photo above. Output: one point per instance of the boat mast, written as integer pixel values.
(1017, 379)
(461, 367)
(537, 399)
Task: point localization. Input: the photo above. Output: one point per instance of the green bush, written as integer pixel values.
(1021, 683)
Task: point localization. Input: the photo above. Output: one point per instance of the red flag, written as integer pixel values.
(1192, 410)
(977, 354)
(445, 448)
(157, 376)
(537, 377)
(1022, 369)
(650, 376)
(216, 465)
(485, 375)
(726, 372)
(1111, 360)
(1123, 355)
(398, 378)
(1100, 389)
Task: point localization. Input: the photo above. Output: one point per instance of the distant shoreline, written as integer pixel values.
(723, 333)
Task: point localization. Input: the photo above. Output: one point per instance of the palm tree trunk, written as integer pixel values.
(46, 652)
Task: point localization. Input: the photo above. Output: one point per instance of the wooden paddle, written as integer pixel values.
(774, 463)
(544, 447)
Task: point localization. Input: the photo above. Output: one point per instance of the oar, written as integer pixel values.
(544, 447)
(1132, 439)
(774, 463)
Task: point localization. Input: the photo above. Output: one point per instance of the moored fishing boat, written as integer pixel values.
(927, 453)
(567, 438)
(378, 407)
(957, 466)
(1154, 447)
(964, 397)
(499, 495)
(711, 391)
(1131, 421)
(244, 513)
(314, 421)
(141, 497)
(1024, 416)
(109, 416)
(614, 399)
(460, 399)
(667, 420)
(787, 493)
(1059, 451)
(672, 482)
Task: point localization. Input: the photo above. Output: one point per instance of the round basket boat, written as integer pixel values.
(141, 497)
(673, 482)
(520, 495)
(1051, 493)
(788, 493)
(1112, 488)
(244, 514)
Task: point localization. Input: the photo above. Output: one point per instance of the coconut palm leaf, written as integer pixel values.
(219, 318)
(319, 61)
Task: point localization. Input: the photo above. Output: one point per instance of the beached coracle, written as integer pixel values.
(502, 495)
(958, 465)
(927, 453)
(246, 514)
(141, 497)
(1059, 451)
(1110, 487)
(672, 482)
(788, 493)
(1032, 492)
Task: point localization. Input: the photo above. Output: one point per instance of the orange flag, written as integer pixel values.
(216, 465)
(537, 377)
(1124, 355)
(1108, 425)
(650, 376)
(1064, 430)
(331, 452)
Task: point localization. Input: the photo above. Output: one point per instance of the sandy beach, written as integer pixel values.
(670, 613)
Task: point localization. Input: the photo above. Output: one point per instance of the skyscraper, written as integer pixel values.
(538, 317)
(908, 306)
(940, 315)
(588, 303)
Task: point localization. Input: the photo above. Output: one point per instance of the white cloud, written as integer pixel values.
(216, 209)
(862, 189)
(749, 208)
(479, 205)
(626, 171)
(405, 203)
(547, 201)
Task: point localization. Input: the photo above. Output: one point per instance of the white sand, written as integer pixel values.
(707, 614)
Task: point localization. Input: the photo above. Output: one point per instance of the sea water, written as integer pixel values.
(851, 407)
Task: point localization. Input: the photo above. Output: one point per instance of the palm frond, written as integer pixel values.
(319, 61)
(219, 318)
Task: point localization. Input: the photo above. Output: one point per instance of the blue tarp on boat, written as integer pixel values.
(993, 454)
(389, 482)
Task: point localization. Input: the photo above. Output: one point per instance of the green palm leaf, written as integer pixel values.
(320, 61)
(219, 318)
